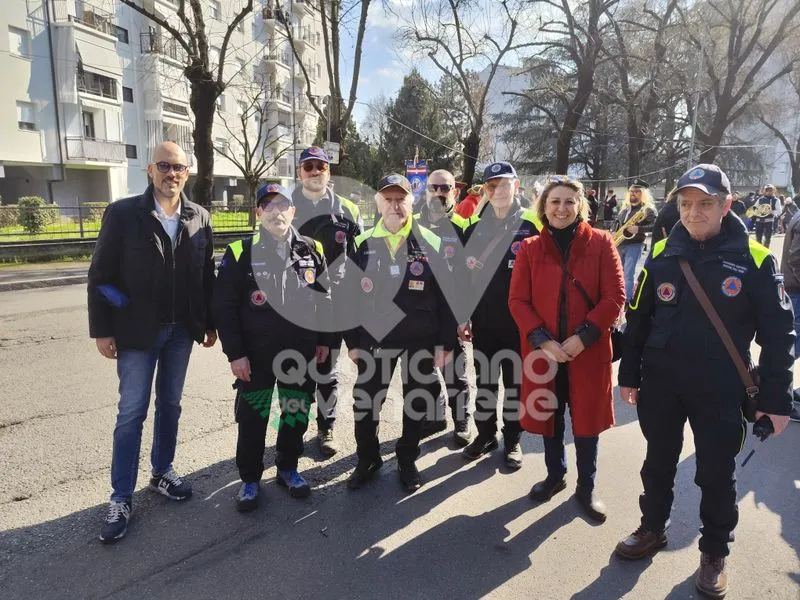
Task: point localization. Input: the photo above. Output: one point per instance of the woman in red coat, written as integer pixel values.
(566, 341)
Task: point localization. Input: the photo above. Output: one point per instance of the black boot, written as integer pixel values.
(591, 504)
(544, 490)
(409, 475)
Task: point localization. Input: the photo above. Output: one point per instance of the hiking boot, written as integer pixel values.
(409, 475)
(544, 490)
(247, 498)
(291, 479)
(591, 504)
(478, 447)
(640, 544)
(432, 427)
(327, 443)
(462, 433)
(170, 484)
(513, 455)
(363, 473)
(116, 523)
(712, 576)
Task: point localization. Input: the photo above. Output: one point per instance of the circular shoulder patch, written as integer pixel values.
(449, 251)
(310, 276)
(515, 247)
(471, 262)
(367, 285)
(416, 268)
(340, 237)
(258, 298)
(731, 286)
(666, 292)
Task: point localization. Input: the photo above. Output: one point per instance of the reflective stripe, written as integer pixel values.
(236, 249)
(758, 252)
(367, 234)
(643, 279)
(318, 248)
(430, 237)
(256, 237)
(351, 206)
(658, 247)
(530, 216)
(459, 221)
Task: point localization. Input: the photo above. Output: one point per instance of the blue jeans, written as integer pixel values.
(135, 369)
(795, 298)
(629, 255)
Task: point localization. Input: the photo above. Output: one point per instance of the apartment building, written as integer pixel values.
(90, 87)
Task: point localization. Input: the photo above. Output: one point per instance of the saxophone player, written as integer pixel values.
(632, 242)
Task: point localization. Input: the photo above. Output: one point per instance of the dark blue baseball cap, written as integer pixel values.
(499, 169)
(314, 153)
(267, 191)
(395, 180)
(707, 178)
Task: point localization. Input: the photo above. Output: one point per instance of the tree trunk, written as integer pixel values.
(471, 149)
(796, 167)
(203, 100)
(573, 116)
(251, 186)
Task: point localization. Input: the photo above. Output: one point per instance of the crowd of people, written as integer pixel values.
(536, 291)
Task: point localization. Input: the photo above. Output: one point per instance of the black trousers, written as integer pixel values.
(253, 404)
(494, 359)
(712, 406)
(369, 393)
(456, 386)
(764, 231)
(328, 386)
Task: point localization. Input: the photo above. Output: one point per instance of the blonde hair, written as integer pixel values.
(574, 185)
(647, 198)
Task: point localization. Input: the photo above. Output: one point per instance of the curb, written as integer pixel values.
(30, 284)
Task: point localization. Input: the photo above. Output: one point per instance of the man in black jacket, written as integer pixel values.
(150, 286)
(675, 366)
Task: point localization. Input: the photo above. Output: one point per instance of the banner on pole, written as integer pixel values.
(417, 175)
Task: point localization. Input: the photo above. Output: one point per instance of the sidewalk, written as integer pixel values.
(29, 276)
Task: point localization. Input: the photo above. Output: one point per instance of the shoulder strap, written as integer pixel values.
(713, 316)
(493, 243)
(582, 290)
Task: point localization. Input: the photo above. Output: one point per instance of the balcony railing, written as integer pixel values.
(81, 148)
(155, 43)
(105, 88)
(85, 14)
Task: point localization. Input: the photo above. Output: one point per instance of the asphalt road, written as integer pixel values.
(470, 532)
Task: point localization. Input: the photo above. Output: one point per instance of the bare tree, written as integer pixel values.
(775, 121)
(338, 17)
(460, 40)
(188, 27)
(744, 47)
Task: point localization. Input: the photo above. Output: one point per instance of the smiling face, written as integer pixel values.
(276, 215)
(500, 191)
(168, 171)
(701, 213)
(394, 204)
(315, 175)
(561, 207)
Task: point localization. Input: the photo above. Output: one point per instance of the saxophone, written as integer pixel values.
(619, 236)
(759, 210)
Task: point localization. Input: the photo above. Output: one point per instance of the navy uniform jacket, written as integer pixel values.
(449, 229)
(406, 282)
(667, 323)
(262, 297)
(474, 278)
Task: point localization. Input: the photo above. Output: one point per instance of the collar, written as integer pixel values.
(393, 240)
(732, 238)
(163, 216)
(148, 198)
(328, 204)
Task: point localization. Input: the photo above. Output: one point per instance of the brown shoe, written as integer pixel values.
(712, 577)
(640, 544)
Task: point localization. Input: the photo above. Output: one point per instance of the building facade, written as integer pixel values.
(91, 87)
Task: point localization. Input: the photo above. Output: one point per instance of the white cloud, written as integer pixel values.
(389, 72)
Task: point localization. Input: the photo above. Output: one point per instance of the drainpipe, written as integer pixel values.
(55, 102)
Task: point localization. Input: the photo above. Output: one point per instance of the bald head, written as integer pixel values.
(170, 152)
(169, 172)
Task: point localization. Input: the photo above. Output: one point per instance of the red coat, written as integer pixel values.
(466, 207)
(533, 298)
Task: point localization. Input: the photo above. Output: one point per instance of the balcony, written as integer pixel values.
(155, 43)
(81, 148)
(303, 39)
(97, 85)
(279, 99)
(302, 7)
(85, 14)
(304, 107)
(274, 61)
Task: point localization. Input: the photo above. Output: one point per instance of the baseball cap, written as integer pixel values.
(270, 189)
(395, 180)
(707, 178)
(499, 169)
(314, 153)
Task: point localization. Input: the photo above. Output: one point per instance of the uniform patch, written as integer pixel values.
(416, 268)
(666, 292)
(367, 285)
(416, 285)
(310, 276)
(394, 270)
(731, 286)
(258, 298)
(449, 251)
(340, 237)
(511, 263)
(473, 263)
(734, 267)
(515, 247)
(697, 174)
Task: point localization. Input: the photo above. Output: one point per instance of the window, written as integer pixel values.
(221, 101)
(317, 39)
(87, 119)
(213, 8)
(213, 55)
(19, 42)
(319, 71)
(178, 109)
(122, 35)
(221, 145)
(127, 94)
(130, 151)
(26, 116)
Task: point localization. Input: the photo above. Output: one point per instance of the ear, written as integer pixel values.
(726, 205)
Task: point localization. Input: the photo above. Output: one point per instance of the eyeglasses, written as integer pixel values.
(311, 165)
(165, 167)
(280, 204)
(560, 179)
(439, 187)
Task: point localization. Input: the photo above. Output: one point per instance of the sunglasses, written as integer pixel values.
(439, 187)
(165, 167)
(280, 204)
(311, 165)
